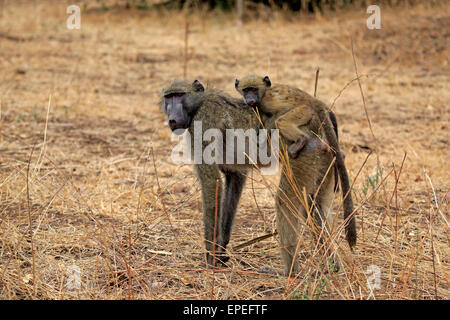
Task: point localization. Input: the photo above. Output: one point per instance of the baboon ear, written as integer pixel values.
(198, 86)
(266, 80)
(236, 83)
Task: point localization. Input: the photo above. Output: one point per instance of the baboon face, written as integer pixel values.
(251, 96)
(252, 89)
(179, 111)
(178, 117)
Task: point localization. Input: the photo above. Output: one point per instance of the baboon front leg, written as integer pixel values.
(234, 184)
(209, 177)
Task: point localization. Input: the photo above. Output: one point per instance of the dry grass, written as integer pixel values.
(82, 144)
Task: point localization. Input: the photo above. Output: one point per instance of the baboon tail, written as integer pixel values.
(350, 226)
(335, 128)
(331, 135)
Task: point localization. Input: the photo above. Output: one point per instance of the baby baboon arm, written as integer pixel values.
(291, 131)
(294, 126)
(294, 123)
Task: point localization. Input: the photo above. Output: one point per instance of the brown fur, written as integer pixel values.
(305, 173)
(300, 116)
(216, 110)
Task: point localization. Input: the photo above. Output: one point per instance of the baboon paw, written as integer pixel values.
(295, 148)
(290, 274)
(220, 259)
(269, 271)
(292, 154)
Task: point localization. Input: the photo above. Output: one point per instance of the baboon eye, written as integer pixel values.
(171, 95)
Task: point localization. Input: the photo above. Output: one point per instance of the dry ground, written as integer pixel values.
(103, 195)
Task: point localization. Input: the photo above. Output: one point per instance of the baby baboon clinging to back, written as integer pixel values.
(300, 119)
(292, 111)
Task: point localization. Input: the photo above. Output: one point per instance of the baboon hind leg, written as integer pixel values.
(289, 211)
(323, 216)
(320, 228)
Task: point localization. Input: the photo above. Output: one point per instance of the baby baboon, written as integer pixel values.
(190, 106)
(290, 109)
(300, 118)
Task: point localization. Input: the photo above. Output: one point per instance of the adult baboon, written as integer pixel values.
(189, 106)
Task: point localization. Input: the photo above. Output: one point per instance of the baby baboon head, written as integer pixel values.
(252, 89)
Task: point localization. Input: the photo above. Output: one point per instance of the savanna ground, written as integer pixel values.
(87, 184)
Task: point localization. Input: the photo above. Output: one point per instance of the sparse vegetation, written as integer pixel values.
(86, 178)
